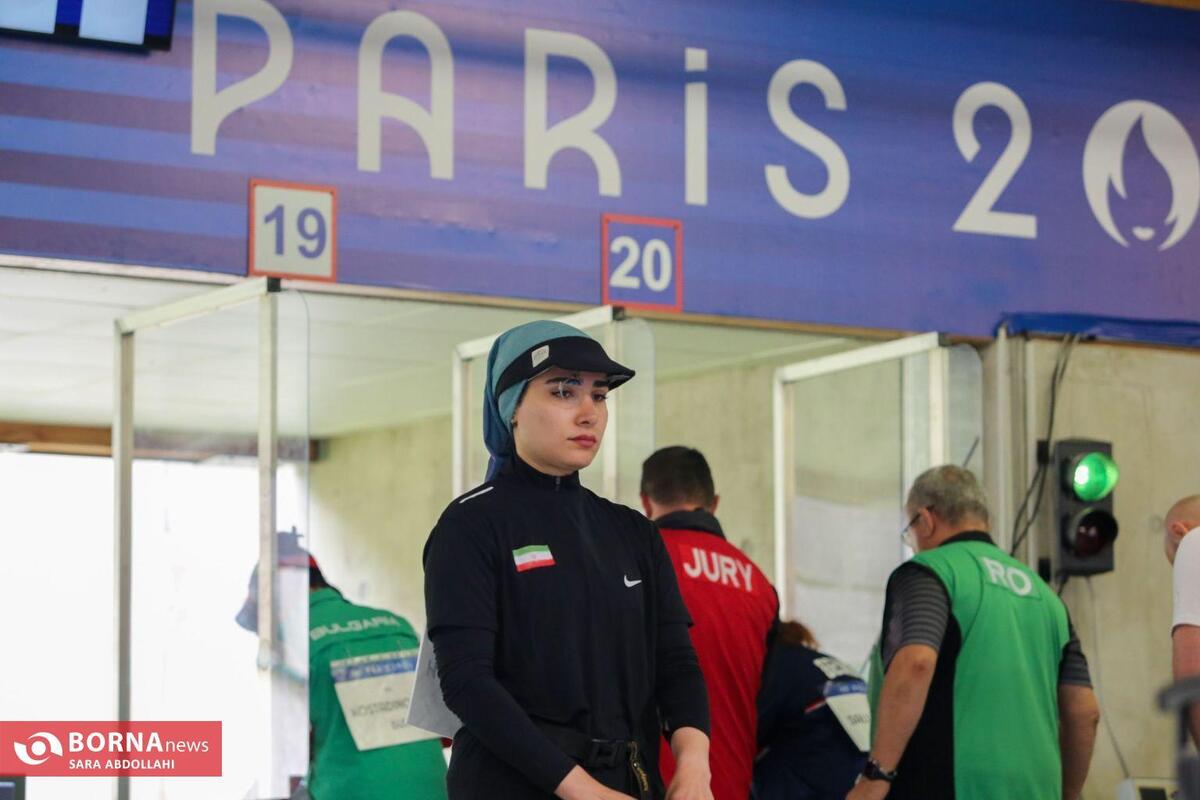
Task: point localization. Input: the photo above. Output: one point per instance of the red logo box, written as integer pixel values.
(66, 749)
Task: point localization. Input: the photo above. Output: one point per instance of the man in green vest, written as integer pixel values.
(360, 663)
(979, 688)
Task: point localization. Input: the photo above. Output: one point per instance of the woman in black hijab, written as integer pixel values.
(558, 627)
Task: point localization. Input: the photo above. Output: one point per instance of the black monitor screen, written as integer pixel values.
(12, 788)
(143, 24)
(1152, 794)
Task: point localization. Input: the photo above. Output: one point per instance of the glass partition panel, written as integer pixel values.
(965, 408)
(633, 409)
(859, 428)
(197, 500)
(56, 569)
(849, 463)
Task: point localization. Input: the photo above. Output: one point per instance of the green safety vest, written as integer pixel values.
(338, 770)
(1004, 687)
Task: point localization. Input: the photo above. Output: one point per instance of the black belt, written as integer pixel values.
(592, 753)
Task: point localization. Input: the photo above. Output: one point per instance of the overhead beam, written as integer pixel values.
(74, 440)
(80, 440)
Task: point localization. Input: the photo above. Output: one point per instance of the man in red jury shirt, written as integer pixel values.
(733, 607)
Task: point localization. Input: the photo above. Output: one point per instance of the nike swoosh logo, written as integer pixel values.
(630, 584)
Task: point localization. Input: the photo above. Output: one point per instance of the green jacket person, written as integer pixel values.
(982, 667)
(358, 658)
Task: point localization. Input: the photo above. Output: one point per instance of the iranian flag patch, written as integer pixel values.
(532, 557)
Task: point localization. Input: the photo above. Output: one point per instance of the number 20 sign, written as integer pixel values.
(641, 262)
(293, 230)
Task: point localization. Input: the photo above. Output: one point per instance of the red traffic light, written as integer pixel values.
(1090, 531)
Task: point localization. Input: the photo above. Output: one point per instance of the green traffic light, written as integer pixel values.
(1094, 476)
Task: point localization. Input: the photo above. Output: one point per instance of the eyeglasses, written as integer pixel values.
(906, 531)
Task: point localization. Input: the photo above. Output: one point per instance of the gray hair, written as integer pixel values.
(953, 492)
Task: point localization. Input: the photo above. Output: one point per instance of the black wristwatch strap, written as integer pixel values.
(873, 772)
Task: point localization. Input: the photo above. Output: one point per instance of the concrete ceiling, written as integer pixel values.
(371, 362)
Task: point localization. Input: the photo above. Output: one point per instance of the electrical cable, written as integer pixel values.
(1035, 483)
(1059, 374)
(1096, 682)
(1038, 482)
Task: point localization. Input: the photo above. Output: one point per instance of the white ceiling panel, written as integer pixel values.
(366, 362)
(54, 348)
(87, 290)
(36, 314)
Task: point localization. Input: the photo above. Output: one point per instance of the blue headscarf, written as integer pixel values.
(498, 411)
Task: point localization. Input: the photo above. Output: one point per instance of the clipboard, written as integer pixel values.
(427, 708)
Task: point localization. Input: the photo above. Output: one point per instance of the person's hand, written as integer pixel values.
(869, 790)
(578, 785)
(691, 781)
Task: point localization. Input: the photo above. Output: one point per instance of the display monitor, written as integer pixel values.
(142, 24)
(12, 787)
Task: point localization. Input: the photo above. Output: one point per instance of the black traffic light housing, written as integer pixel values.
(1084, 476)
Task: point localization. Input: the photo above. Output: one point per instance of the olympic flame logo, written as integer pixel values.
(1168, 142)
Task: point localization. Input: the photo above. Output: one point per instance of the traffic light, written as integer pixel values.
(1086, 476)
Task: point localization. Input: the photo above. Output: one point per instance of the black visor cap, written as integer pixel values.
(576, 353)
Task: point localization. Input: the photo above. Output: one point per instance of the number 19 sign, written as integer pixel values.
(641, 260)
(293, 230)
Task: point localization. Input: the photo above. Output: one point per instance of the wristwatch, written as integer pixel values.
(873, 772)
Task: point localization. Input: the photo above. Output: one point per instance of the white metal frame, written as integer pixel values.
(1000, 468)
(467, 351)
(1030, 438)
(125, 330)
(930, 343)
